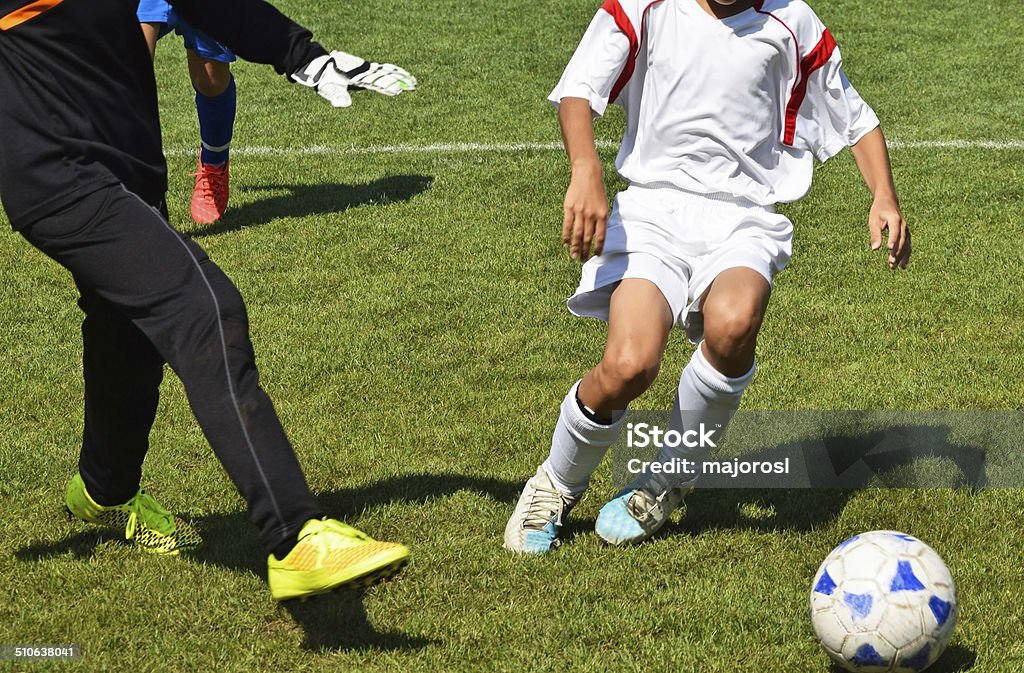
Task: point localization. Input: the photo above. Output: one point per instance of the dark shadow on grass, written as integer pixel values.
(231, 541)
(329, 622)
(799, 510)
(335, 621)
(727, 509)
(80, 545)
(306, 200)
(723, 509)
(955, 659)
(839, 466)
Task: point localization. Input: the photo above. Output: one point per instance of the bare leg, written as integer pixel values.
(210, 78)
(734, 307)
(151, 31)
(639, 322)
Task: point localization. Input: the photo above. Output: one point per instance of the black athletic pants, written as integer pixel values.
(151, 296)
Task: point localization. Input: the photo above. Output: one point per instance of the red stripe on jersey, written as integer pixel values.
(622, 23)
(796, 46)
(815, 59)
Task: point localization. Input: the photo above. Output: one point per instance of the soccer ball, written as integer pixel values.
(883, 601)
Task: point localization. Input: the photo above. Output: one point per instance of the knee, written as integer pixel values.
(211, 78)
(730, 332)
(231, 311)
(230, 305)
(218, 310)
(217, 343)
(627, 374)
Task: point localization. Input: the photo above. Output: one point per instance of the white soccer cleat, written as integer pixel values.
(640, 511)
(537, 520)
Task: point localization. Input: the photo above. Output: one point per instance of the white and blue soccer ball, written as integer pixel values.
(883, 602)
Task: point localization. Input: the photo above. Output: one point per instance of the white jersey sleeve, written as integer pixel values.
(826, 114)
(599, 65)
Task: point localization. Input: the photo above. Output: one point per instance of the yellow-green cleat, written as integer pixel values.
(330, 555)
(142, 520)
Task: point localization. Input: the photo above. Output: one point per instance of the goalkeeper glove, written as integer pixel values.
(333, 75)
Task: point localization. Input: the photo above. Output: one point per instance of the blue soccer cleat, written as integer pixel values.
(638, 512)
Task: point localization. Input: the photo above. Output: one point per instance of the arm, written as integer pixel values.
(255, 30)
(586, 203)
(583, 92)
(834, 116)
(872, 158)
(258, 32)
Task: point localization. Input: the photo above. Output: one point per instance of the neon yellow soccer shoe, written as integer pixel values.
(142, 519)
(329, 555)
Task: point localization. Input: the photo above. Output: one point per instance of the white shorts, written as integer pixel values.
(680, 242)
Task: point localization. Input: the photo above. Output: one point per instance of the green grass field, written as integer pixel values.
(407, 308)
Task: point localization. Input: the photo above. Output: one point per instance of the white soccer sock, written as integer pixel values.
(707, 396)
(577, 446)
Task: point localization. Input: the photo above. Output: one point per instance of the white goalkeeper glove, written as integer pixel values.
(333, 75)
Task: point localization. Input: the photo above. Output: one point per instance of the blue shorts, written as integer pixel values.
(158, 11)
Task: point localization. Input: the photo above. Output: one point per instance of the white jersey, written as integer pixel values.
(736, 107)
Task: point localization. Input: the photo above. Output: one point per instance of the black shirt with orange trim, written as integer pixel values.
(78, 102)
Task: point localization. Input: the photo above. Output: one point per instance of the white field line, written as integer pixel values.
(485, 148)
(957, 144)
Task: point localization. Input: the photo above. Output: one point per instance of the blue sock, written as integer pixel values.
(216, 123)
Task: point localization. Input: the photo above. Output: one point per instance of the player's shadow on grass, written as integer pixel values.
(306, 200)
(955, 659)
(838, 466)
(335, 621)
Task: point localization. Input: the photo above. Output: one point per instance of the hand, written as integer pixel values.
(384, 78)
(585, 212)
(885, 214)
(333, 75)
